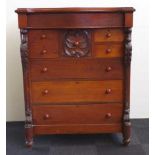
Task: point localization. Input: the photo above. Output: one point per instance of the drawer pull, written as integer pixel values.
(108, 115)
(44, 69)
(76, 43)
(45, 91)
(108, 50)
(108, 91)
(43, 36)
(108, 35)
(43, 52)
(108, 69)
(46, 116)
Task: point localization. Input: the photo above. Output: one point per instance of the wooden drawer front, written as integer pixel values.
(106, 35)
(75, 68)
(43, 43)
(108, 50)
(76, 20)
(77, 114)
(77, 91)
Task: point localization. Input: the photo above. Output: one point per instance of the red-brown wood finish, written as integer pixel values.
(43, 43)
(76, 70)
(68, 91)
(75, 114)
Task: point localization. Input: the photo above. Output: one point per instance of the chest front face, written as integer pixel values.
(76, 68)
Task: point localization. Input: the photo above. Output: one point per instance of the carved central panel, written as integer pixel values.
(76, 43)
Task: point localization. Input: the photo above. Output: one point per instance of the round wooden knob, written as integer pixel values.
(108, 35)
(45, 69)
(43, 36)
(108, 50)
(108, 69)
(43, 52)
(76, 43)
(46, 116)
(108, 115)
(108, 91)
(45, 91)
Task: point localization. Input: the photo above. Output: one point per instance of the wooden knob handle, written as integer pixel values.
(108, 115)
(108, 35)
(45, 69)
(43, 51)
(45, 91)
(43, 36)
(108, 91)
(76, 43)
(108, 50)
(108, 69)
(46, 116)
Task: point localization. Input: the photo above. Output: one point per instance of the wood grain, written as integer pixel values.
(76, 9)
(106, 35)
(108, 50)
(77, 114)
(76, 69)
(77, 91)
(77, 129)
(85, 20)
(43, 43)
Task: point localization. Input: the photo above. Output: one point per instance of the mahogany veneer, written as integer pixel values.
(76, 70)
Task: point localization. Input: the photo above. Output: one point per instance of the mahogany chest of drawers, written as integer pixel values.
(76, 70)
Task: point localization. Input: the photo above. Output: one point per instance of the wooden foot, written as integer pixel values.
(126, 142)
(29, 143)
(28, 135)
(126, 133)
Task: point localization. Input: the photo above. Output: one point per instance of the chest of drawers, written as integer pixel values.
(76, 70)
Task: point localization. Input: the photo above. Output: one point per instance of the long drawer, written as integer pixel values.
(77, 114)
(75, 68)
(77, 91)
(84, 20)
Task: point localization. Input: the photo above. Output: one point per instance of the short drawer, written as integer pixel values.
(77, 114)
(76, 68)
(43, 43)
(106, 35)
(108, 50)
(77, 91)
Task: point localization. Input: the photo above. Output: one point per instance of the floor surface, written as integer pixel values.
(105, 144)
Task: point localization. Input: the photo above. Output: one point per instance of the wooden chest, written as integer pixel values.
(76, 70)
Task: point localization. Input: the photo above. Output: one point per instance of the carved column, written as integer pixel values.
(127, 62)
(25, 65)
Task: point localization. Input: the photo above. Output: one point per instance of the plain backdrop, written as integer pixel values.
(139, 73)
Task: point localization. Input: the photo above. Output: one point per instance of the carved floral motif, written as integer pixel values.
(76, 43)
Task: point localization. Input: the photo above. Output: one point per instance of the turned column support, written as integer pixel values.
(26, 81)
(126, 112)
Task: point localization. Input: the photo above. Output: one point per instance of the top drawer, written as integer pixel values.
(75, 20)
(75, 17)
